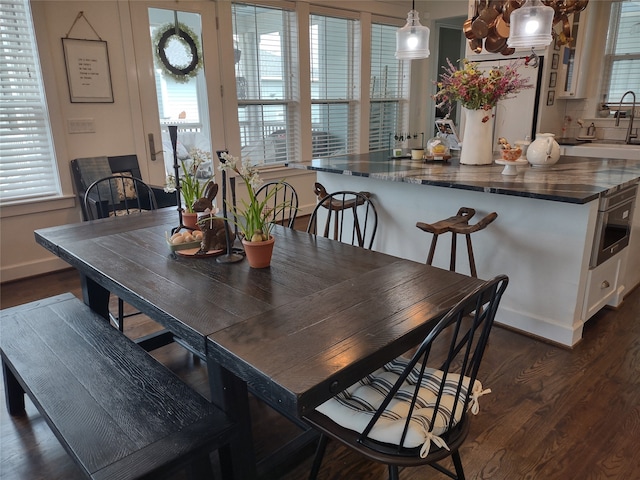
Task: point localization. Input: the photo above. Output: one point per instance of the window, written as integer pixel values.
(389, 88)
(27, 159)
(335, 80)
(622, 56)
(266, 58)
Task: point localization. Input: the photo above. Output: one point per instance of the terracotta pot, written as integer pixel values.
(259, 253)
(190, 220)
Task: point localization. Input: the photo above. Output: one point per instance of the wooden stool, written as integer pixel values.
(459, 224)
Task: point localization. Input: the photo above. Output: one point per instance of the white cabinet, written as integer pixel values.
(632, 266)
(572, 59)
(602, 285)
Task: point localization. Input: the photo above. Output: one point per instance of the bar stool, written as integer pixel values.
(458, 224)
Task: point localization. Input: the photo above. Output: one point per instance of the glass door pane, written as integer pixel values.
(176, 39)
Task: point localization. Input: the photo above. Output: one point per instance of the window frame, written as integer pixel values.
(51, 191)
(401, 100)
(353, 91)
(289, 102)
(610, 58)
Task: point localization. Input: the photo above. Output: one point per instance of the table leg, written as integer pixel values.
(96, 296)
(230, 393)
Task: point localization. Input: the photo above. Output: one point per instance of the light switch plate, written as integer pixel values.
(81, 125)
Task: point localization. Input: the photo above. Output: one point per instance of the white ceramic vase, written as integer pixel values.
(543, 151)
(477, 141)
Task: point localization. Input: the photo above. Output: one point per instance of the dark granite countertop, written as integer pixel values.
(571, 180)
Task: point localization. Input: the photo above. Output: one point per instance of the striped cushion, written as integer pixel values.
(354, 407)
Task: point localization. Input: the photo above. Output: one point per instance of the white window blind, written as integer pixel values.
(388, 88)
(335, 79)
(266, 62)
(27, 160)
(622, 59)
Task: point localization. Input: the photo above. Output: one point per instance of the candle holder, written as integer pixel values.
(173, 135)
(233, 255)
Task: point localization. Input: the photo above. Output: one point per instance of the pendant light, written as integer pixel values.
(531, 25)
(412, 40)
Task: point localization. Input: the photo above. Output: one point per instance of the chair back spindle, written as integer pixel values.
(118, 195)
(346, 216)
(284, 201)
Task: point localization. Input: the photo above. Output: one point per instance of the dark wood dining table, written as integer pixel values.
(323, 315)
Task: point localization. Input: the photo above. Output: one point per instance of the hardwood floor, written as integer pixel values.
(553, 413)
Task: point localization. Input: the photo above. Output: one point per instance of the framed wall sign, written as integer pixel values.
(88, 71)
(551, 96)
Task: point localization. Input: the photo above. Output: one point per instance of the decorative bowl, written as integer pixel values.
(511, 154)
(187, 242)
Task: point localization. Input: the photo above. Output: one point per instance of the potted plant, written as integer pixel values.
(254, 217)
(192, 188)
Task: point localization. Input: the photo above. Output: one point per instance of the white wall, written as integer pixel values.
(20, 256)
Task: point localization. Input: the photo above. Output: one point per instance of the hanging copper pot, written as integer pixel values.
(475, 45)
(466, 27)
(508, 8)
(564, 37)
(501, 27)
(480, 26)
(494, 43)
(580, 5)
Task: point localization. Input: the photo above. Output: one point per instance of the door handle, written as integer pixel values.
(152, 148)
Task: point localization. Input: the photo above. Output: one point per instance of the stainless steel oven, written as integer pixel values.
(613, 227)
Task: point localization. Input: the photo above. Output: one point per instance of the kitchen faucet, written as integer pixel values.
(630, 133)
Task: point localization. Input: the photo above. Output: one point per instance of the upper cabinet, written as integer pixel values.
(570, 53)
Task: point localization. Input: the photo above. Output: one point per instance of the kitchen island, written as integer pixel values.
(542, 238)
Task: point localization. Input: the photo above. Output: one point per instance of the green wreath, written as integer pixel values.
(181, 65)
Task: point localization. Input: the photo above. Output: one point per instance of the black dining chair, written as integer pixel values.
(284, 201)
(116, 196)
(409, 413)
(347, 216)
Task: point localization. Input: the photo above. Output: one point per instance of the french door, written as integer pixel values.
(178, 83)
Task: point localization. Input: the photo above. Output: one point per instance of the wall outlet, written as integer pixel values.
(81, 125)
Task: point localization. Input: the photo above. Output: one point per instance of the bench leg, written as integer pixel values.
(13, 391)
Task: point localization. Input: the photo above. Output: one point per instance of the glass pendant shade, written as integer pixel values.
(412, 40)
(531, 25)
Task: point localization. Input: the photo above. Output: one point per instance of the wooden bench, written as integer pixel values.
(117, 411)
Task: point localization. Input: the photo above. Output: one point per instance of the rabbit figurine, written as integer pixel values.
(212, 227)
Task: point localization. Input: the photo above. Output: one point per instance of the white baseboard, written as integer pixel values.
(39, 267)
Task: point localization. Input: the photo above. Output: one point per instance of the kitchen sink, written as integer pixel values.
(615, 142)
(605, 149)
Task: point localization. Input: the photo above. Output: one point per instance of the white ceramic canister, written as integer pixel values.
(543, 151)
(417, 153)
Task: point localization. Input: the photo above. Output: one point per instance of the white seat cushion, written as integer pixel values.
(354, 407)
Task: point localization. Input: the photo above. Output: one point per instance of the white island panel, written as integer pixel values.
(543, 246)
